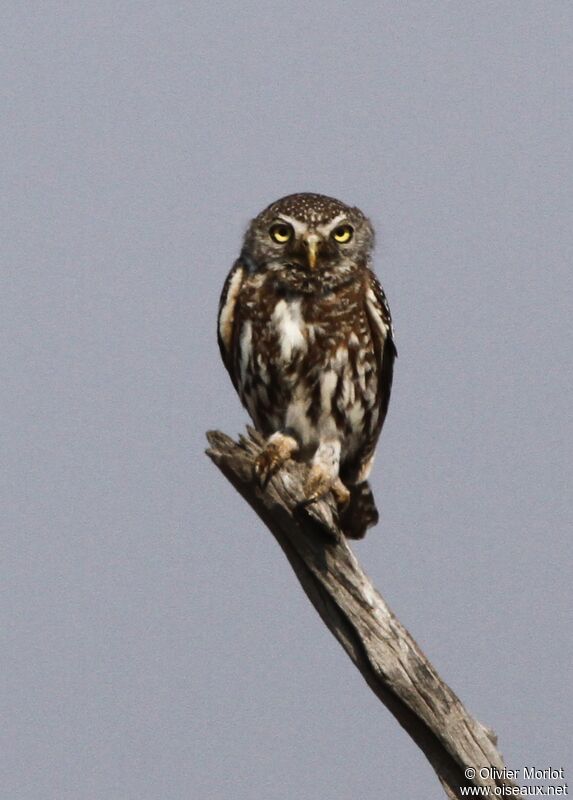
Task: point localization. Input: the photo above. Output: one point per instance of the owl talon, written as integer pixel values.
(341, 495)
(279, 449)
(318, 483)
(265, 467)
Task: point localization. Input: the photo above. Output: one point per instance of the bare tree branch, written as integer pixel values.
(389, 659)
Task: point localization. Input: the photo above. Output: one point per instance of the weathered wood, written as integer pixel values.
(381, 648)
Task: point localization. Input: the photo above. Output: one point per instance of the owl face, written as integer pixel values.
(309, 235)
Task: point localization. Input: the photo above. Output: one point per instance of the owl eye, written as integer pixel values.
(343, 234)
(280, 232)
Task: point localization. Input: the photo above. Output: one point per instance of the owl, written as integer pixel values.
(306, 335)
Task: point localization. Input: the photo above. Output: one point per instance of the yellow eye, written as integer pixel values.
(280, 232)
(343, 234)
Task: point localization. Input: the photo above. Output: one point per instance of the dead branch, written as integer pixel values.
(389, 659)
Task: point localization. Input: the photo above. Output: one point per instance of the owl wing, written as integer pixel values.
(385, 351)
(226, 321)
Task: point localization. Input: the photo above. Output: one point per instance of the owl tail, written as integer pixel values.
(360, 513)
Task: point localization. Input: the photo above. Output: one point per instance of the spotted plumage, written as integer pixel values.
(306, 335)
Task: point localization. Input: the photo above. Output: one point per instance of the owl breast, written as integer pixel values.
(306, 364)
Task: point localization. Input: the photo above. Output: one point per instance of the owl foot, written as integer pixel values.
(279, 448)
(318, 483)
(323, 475)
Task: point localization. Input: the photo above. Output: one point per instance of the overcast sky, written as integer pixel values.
(156, 645)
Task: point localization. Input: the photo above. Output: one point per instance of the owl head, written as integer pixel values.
(309, 235)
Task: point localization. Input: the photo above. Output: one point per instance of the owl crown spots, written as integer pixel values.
(309, 207)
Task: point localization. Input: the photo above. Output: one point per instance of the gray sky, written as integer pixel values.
(156, 644)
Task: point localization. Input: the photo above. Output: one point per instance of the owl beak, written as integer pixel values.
(312, 245)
